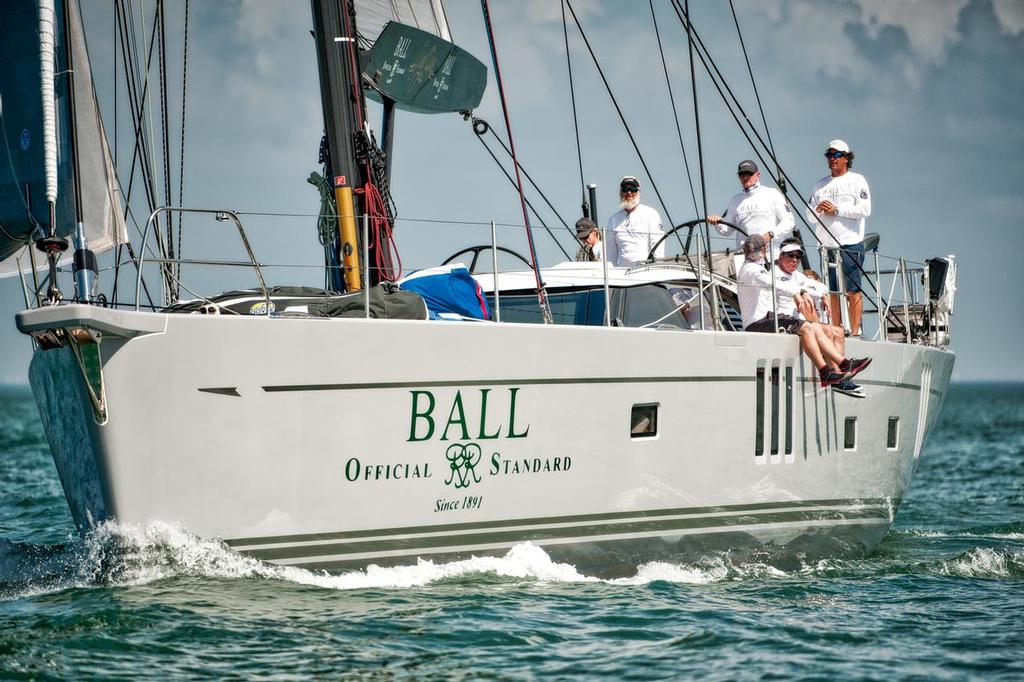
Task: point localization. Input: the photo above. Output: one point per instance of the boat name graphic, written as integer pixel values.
(423, 426)
(470, 419)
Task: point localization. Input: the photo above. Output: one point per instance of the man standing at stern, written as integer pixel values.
(839, 204)
(634, 229)
(756, 210)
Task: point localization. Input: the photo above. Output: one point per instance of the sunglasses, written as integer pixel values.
(744, 174)
(835, 155)
(793, 254)
(629, 190)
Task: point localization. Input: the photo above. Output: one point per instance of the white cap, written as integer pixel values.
(839, 146)
(792, 247)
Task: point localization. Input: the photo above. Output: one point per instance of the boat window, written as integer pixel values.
(568, 307)
(643, 422)
(893, 438)
(850, 434)
(650, 303)
(759, 413)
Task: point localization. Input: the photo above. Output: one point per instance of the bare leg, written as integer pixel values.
(837, 336)
(832, 335)
(833, 310)
(825, 347)
(856, 303)
(809, 343)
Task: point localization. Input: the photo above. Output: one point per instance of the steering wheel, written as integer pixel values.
(480, 248)
(689, 225)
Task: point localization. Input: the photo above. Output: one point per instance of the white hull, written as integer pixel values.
(302, 441)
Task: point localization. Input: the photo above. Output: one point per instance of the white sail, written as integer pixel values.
(427, 15)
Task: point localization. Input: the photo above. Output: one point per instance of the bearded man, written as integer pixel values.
(634, 229)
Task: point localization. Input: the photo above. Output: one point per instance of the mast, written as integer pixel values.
(334, 29)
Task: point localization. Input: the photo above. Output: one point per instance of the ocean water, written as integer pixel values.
(941, 598)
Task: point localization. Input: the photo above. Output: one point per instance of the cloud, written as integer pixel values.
(930, 25)
(854, 39)
(1011, 16)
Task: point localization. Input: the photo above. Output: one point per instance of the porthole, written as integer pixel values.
(850, 434)
(643, 421)
(893, 438)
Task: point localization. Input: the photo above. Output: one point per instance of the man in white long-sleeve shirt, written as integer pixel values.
(758, 310)
(756, 210)
(787, 270)
(634, 229)
(839, 204)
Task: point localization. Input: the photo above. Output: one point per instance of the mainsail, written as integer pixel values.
(23, 195)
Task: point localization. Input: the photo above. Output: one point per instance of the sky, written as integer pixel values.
(928, 93)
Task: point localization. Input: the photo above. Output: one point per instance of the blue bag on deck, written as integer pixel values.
(448, 289)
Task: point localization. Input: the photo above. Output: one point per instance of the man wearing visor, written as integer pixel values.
(802, 305)
(761, 313)
(839, 204)
(634, 229)
(756, 210)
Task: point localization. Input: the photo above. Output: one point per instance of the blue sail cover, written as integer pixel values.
(448, 289)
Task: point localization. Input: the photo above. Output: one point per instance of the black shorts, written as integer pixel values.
(787, 324)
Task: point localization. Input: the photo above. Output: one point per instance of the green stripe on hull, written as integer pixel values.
(577, 532)
(553, 520)
(504, 382)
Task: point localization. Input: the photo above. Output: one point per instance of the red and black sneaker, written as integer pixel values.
(854, 366)
(830, 376)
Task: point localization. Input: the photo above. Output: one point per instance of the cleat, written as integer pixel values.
(847, 387)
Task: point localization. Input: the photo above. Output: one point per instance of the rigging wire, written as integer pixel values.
(780, 181)
(618, 110)
(477, 124)
(575, 117)
(165, 139)
(712, 69)
(181, 158)
(541, 293)
(675, 113)
(700, 143)
(528, 203)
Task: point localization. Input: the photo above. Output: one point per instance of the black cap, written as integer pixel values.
(584, 226)
(747, 166)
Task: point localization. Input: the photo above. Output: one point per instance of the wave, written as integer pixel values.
(984, 562)
(125, 555)
(1002, 531)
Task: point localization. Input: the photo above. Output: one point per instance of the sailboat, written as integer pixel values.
(235, 416)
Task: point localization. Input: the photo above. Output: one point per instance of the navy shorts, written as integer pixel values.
(853, 264)
(787, 324)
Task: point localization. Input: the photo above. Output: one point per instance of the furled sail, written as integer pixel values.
(426, 15)
(23, 188)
